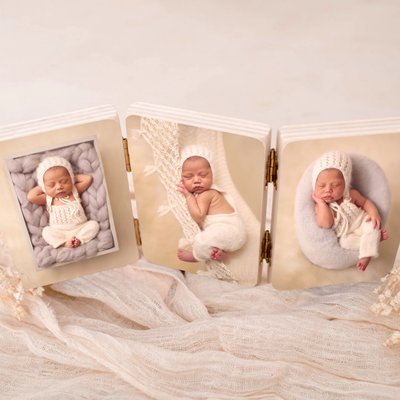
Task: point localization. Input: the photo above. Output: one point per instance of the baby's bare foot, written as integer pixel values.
(185, 255)
(69, 243)
(219, 254)
(363, 263)
(384, 234)
(72, 243)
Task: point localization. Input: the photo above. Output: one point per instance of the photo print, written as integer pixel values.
(342, 205)
(63, 200)
(207, 218)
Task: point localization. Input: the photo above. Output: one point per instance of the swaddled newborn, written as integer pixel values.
(222, 230)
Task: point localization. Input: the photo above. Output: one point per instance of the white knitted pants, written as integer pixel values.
(225, 231)
(59, 234)
(365, 239)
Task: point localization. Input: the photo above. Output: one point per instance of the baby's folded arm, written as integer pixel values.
(82, 182)
(323, 214)
(36, 196)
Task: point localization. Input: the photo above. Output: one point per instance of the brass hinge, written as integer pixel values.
(126, 154)
(271, 173)
(137, 231)
(266, 247)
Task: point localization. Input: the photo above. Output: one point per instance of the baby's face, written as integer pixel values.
(57, 182)
(330, 185)
(197, 175)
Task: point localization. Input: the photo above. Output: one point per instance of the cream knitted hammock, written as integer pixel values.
(166, 139)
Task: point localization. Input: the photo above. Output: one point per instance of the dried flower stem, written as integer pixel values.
(389, 300)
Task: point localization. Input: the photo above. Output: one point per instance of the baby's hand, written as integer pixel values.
(375, 220)
(317, 199)
(181, 188)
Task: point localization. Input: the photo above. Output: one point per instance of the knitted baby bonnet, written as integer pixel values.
(334, 159)
(196, 150)
(50, 162)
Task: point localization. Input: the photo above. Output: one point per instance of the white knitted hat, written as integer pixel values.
(337, 160)
(196, 150)
(50, 162)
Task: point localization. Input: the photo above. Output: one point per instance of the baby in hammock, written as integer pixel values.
(222, 230)
(59, 190)
(354, 218)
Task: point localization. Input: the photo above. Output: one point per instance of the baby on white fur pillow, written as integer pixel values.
(369, 179)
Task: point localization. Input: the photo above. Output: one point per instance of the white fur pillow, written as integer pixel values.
(321, 246)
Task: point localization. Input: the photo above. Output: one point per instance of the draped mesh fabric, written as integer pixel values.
(143, 332)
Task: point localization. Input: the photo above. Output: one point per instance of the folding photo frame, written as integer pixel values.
(269, 200)
(99, 130)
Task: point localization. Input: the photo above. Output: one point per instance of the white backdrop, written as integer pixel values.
(274, 61)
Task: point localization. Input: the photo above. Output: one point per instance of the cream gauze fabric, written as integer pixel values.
(142, 332)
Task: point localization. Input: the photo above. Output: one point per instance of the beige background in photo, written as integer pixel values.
(289, 267)
(246, 162)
